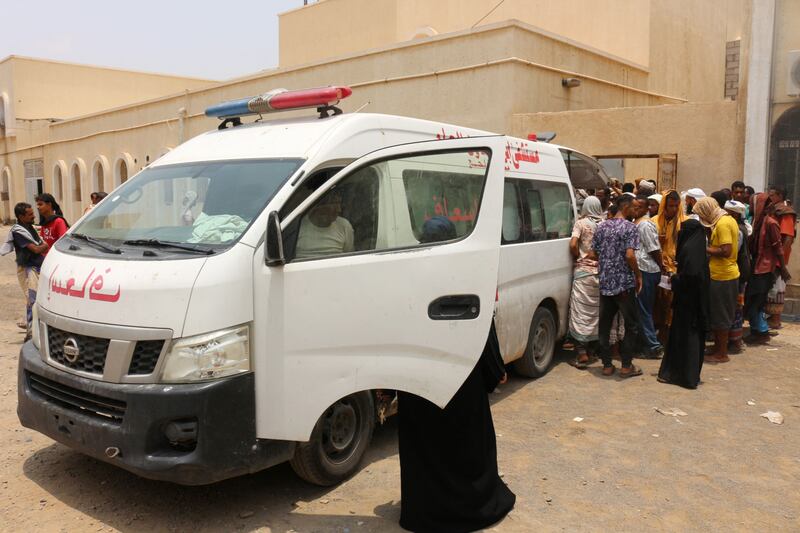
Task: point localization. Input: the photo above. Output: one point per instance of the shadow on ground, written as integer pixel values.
(271, 498)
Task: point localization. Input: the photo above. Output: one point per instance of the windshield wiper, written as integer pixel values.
(169, 244)
(96, 243)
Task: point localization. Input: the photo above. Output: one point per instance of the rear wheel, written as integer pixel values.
(338, 442)
(541, 345)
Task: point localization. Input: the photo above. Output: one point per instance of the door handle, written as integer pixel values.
(455, 307)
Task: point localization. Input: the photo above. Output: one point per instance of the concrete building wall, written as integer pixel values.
(687, 51)
(680, 43)
(49, 89)
(336, 27)
(478, 79)
(707, 137)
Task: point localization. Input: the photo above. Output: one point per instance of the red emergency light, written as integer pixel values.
(544, 136)
(281, 100)
(309, 97)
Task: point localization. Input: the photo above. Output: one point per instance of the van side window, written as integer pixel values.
(558, 214)
(306, 188)
(536, 230)
(408, 201)
(512, 214)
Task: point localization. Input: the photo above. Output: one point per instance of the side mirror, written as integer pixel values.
(273, 241)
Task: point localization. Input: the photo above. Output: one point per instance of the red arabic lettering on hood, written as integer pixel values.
(94, 282)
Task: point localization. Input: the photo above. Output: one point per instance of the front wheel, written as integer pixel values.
(338, 441)
(541, 345)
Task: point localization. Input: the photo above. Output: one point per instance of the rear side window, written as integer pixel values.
(536, 210)
(408, 201)
(536, 228)
(558, 214)
(512, 214)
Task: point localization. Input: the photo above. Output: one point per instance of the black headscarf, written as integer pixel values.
(690, 284)
(691, 249)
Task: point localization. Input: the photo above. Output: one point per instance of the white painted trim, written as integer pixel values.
(10, 119)
(759, 94)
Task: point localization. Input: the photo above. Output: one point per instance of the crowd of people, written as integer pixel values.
(657, 275)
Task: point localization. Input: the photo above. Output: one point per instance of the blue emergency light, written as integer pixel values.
(279, 100)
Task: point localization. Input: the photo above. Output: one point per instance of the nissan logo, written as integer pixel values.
(71, 350)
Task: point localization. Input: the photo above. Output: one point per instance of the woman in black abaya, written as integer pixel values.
(448, 457)
(684, 358)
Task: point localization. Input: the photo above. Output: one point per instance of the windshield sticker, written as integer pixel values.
(69, 287)
(519, 153)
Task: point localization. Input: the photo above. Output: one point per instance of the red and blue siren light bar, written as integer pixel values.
(279, 100)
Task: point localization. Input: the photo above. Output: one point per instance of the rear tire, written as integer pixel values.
(541, 345)
(338, 442)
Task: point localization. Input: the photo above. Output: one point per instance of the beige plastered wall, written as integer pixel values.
(680, 42)
(474, 78)
(708, 137)
(50, 89)
(687, 45)
(334, 27)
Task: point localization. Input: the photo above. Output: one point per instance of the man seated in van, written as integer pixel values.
(323, 231)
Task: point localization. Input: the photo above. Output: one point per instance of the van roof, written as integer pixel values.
(343, 138)
(302, 137)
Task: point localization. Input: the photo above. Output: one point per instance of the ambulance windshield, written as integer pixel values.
(209, 204)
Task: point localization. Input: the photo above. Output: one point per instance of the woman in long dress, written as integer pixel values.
(584, 303)
(448, 457)
(684, 358)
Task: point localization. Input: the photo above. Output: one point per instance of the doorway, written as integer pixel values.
(34, 179)
(785, 154)
(661, 169)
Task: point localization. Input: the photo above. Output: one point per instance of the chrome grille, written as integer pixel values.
(145, 357)
(93, 351)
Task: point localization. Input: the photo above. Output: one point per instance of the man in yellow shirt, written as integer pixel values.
(723, 250)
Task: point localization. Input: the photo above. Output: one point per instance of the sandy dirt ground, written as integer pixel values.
(623, 467)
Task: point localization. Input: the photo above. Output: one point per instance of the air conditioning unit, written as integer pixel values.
(793, 76)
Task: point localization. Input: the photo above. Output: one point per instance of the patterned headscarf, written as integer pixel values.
(709, 211)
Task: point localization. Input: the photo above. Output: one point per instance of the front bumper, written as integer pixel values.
(94, 417)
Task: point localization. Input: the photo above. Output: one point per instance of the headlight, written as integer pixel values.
(35, 327)
(208, 356)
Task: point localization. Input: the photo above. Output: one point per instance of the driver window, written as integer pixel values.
(396, 203)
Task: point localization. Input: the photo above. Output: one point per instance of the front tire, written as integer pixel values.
(338, 442)
(541, 345)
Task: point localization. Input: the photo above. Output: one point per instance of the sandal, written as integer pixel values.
(22, 324)
(609, 370)
(632, 372)
(580, 365)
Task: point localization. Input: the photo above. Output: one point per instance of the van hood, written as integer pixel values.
(126, 293)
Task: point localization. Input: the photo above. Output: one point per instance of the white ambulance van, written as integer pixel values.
(236, 304)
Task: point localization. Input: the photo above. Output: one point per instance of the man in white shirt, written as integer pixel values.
(323, 232)
(651, 265)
